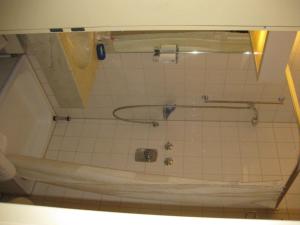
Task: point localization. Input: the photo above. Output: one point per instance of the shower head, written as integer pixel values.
(167, 110)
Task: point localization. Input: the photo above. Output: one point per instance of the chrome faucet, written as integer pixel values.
(168, 161)
(168, 146)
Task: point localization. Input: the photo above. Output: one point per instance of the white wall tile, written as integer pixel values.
(247, 133)
(90, 129)
(230, 149)
(193, 148)
(229, 133)
(106, 130)
(195, 61)
(249, 150)
(287, 166)
(267, 150)
(131, 60)
(70, 144)
(121, 146)
(211, 133)
(236, 77)
(270, 166)
(287, 150)
(251, 166)
(211, 166)
(103, 145)
(60, 129)
(140, 132)
(239, 61)
(216, 77)
(74, 129)
(283, 134)
(86, 145)
(216, 61)
(192, 165)
(211, 149)
(231, 166)
(265, 134)
(112, 61)
(55, 143)
(175, 133)
(123, 131)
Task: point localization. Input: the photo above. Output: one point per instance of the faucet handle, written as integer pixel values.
(168, 146)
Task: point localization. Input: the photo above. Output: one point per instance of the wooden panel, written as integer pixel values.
(273, 54)
(258, 40)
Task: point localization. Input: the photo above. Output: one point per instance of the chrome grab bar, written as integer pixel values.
(279, 101)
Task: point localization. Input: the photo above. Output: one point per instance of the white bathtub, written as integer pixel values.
(25, 114)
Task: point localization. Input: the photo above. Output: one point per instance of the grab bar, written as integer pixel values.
(279, 101)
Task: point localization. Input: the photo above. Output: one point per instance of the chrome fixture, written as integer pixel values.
(57, 118)
(168, 146)
(279, 101)
(155, 123)
(145, 155)
(251, 105)
(168, 161)
(166, 54)
(167, 110)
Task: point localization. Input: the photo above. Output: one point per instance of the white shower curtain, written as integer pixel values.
(169, 190)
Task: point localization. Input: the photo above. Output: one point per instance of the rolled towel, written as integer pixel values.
(7, 169)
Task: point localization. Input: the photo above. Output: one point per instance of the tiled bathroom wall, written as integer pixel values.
(133, 79)
(223, 151)
(130, 79)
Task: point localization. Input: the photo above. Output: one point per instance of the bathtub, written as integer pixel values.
(25, 115)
